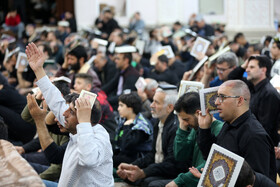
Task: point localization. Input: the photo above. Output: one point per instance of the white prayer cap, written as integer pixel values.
(125, 49)
(62, 78)
(63, 23)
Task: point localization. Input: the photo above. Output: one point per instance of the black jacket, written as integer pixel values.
(166, 76)
(169, 168)
(247, 138)
(178, 68)
(264, 103)
(130, 76)
(107, 72)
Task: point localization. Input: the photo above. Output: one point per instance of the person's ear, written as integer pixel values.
(197, 113)
(88, 87)
(240, 101)
(82, 60)
(170, 108)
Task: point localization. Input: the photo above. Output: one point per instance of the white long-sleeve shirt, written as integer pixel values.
(88, 157)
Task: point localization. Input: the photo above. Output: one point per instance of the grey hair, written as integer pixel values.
(229, 57)
(239, 88)
(170, 96)
(152, 84)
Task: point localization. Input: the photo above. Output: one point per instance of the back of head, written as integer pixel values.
(163, 59)
(264, 61)
(63, 87)
(246, 176)
(132, 100)
(79, 52)
(47, 48)
(230, 58)
(189, 103)
(151, 84)
(96, 111)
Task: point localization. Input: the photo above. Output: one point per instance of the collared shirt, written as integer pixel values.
(88, 157)
(159, 153)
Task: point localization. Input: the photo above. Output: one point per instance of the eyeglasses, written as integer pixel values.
(222, 69)
(221, 98)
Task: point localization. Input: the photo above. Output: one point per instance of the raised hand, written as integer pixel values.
(204, 122)
(36, 112)
(36, 58)
(83, 110)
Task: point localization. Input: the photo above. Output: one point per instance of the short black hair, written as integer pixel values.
(163, 59)
(96, 112)
(132, 100)
(238, 35)
(79, 52)
(128, 56)
(88, 78)
(264, 61)
(178, 23)
(246, 176)
(62, 86)
(46, 48)
(189, 103)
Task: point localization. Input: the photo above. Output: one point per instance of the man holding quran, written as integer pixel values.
(241, 133)
(88, 156)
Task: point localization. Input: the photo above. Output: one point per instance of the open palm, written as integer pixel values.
(36, 58)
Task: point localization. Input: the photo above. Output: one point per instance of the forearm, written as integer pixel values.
(206, 80)
(53, 98)
(237, 73)
(21, 82)
(44, 136)
(40, 73)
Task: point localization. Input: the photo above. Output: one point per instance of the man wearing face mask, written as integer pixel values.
(75, 62)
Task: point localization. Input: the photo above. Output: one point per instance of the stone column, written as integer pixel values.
(252, 17)
(86, 12)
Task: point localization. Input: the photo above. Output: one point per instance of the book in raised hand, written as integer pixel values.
(89, 96)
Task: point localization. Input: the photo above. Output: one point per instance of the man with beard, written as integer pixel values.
(185, 144)
(158, 167)
(75, 62)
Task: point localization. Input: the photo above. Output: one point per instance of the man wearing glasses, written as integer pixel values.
(224, 65)
(265, 100)
(241, 133)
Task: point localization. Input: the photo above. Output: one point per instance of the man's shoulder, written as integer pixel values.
(216, 82)
(172, 122)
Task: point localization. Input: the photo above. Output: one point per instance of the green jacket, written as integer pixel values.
(53, 172)
(186, 148)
